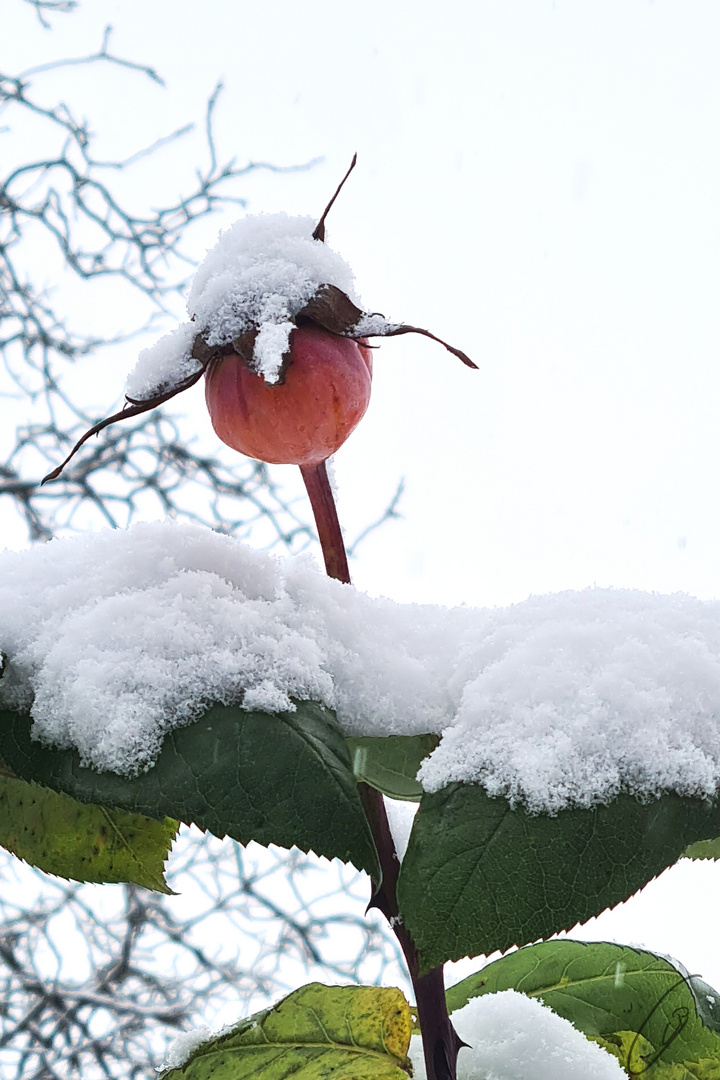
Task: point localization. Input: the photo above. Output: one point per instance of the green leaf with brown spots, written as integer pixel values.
(81, 841)
(316, 1033)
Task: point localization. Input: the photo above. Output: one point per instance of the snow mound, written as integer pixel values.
(570, 698)
(263, 270)
(513, 1037)
(115, 638)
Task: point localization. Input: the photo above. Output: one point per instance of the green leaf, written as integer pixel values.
(282, 779)
(316, 1033)
(390, 764)
(86, 843)
(703, 849)
(480, 876)
(631, 1049)
(635, 1003)
(634, 1052)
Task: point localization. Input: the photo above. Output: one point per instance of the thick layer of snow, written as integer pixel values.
(586, 692)
(513, 1037)
(260, 274)
(115, 637)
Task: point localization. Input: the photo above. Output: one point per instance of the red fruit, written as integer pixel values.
(303, 420)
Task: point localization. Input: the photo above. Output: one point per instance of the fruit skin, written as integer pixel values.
(303, 420)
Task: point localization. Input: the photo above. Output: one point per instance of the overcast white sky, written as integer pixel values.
(538, 182)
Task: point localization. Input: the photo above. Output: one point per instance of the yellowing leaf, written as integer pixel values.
(316, 1033)
(82, 841)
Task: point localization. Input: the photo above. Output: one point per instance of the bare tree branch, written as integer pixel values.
(63, 198)
(97, 983)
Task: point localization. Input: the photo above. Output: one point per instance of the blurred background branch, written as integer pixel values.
(64, 198)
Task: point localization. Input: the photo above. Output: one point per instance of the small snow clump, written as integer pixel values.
(181, 1048)
(165, 364)
(514, 1037)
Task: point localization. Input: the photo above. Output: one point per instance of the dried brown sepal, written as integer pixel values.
(203, 352)
(129, 409)
(394, 330)
(244, 346)
(332, 310)
(319, 233)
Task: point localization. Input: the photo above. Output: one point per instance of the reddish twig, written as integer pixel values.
(441, 1043)
(326, 519)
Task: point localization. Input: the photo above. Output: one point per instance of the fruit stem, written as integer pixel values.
(441, 1042)
(326, 519)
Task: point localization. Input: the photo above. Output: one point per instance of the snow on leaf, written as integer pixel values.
(115, 639)
(512, 1037)
(633, 1001)
(285, 779)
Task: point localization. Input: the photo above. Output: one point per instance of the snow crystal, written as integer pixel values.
(164, 365)
(113, 639)
(514, 1037)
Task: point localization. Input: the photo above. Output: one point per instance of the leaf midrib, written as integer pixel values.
(327, 1046)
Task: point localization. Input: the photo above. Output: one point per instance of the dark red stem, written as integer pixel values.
(441, 1042)
(326, 520)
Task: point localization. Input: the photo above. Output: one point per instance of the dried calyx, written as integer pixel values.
(328, 308)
